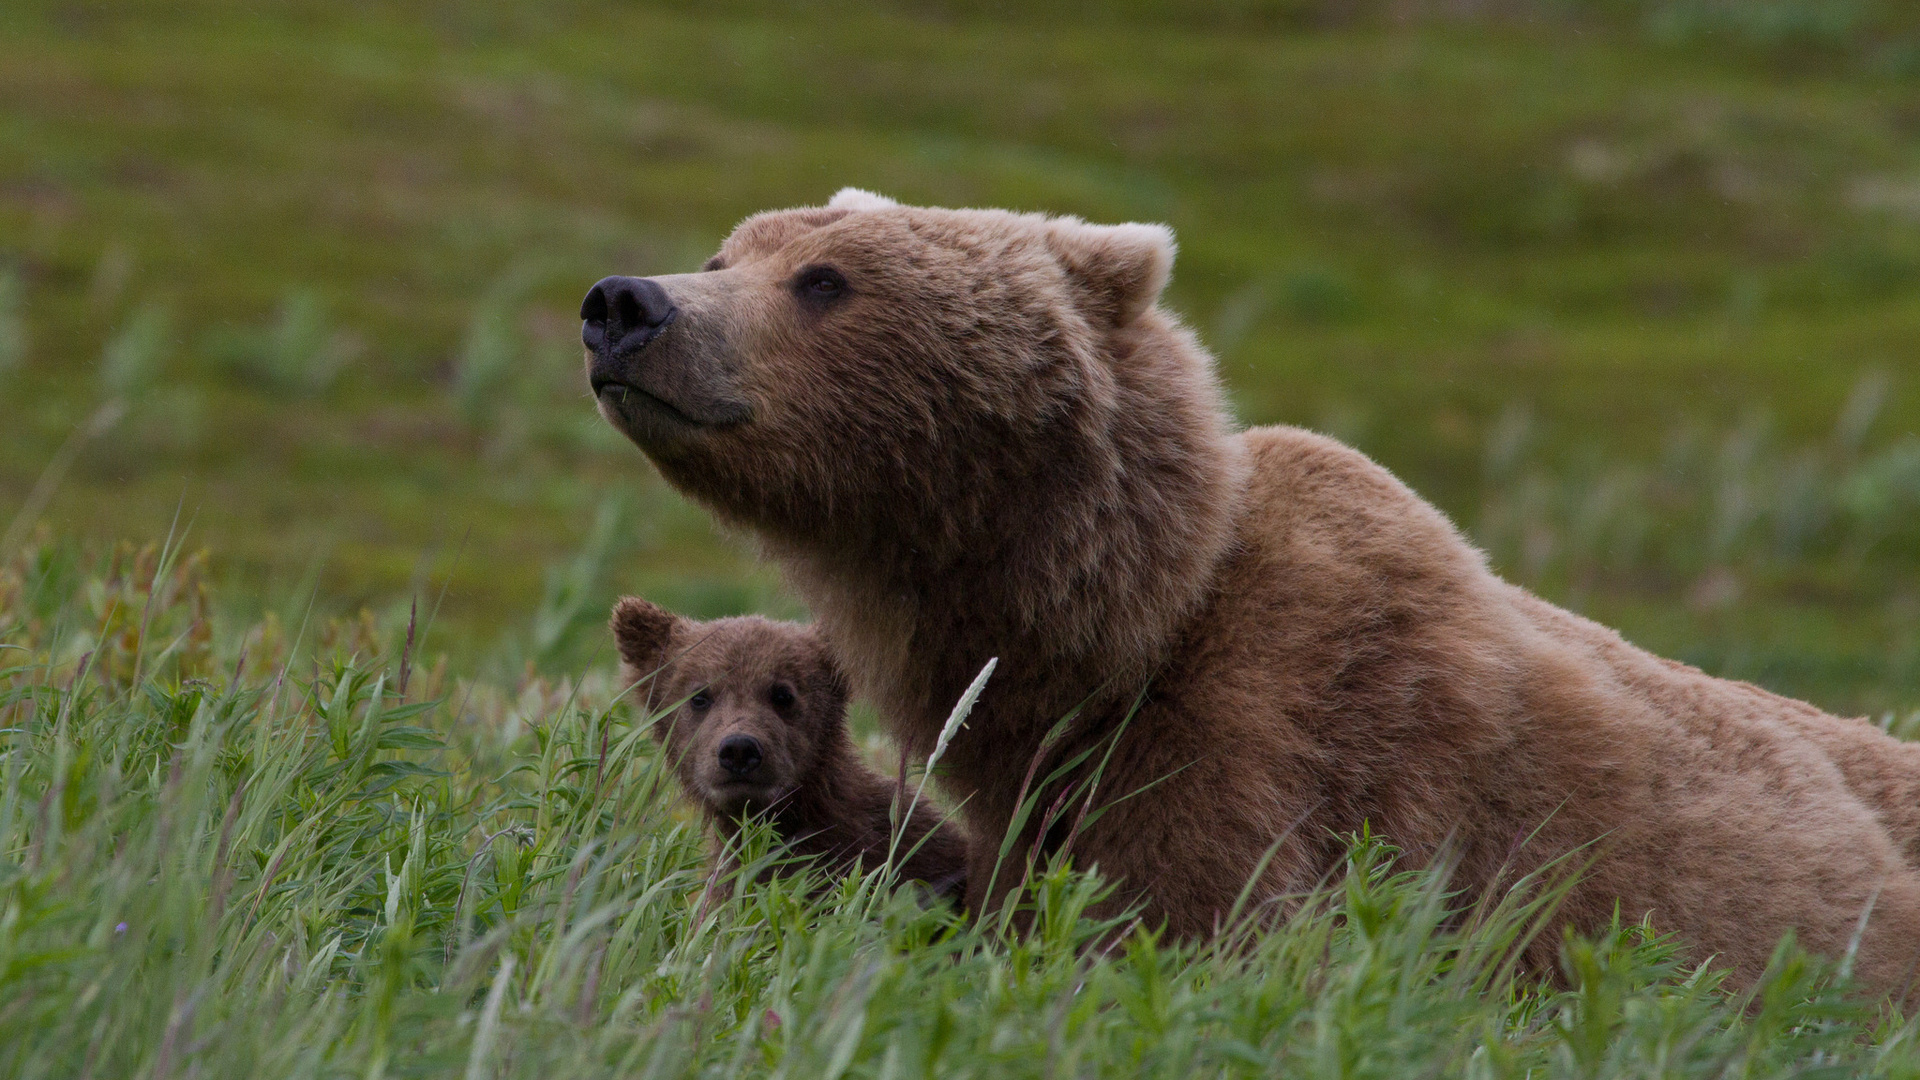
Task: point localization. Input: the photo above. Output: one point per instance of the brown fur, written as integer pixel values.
(828, 808)
(993, 443)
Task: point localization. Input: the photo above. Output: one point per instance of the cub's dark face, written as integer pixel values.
(750, 703)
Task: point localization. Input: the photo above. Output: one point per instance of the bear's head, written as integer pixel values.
(866, 362)
(962, 434)
(753, 707)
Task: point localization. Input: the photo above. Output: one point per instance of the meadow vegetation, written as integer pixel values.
(289, 854)
(1629, 287)
(334, 780)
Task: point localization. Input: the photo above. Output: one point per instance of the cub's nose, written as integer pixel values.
(740, 754)
(624, 310)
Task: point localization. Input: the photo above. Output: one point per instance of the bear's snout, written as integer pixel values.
(622, 312)
(655, 360)
(740, 755)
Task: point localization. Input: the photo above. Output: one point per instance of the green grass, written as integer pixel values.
(328, 259)
(232, 850)
(1631, 288)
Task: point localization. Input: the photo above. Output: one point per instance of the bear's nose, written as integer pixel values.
(740, 754)
(625, 310)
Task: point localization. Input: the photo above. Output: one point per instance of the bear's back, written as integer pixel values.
(1369, 670)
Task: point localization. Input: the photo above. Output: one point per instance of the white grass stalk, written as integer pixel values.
(956, 720)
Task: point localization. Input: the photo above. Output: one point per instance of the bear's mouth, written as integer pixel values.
(626, 398)
(736, 796)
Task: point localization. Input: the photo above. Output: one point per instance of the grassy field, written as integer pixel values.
(288, 854)
(1631, 289)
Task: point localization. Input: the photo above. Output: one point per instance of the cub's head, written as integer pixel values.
(828, 360)
(754, 706)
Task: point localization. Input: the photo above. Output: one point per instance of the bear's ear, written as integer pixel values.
(853, 198)
(643, 632)
(1120, 269)
(828, 679)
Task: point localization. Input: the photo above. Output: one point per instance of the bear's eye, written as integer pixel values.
(700, 702)
(820, 283)
(781, 696)
(714, 263)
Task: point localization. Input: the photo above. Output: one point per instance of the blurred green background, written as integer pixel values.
(1631, 288)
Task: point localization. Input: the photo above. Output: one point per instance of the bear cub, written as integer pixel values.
(758, 727)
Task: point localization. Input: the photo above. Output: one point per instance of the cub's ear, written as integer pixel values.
(853, 198)
(829, 678)
(1119, 269)
(643, 632)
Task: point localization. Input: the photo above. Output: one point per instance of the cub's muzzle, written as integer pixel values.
(740, 755)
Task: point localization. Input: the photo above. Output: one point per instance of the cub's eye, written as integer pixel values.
(781, 696)
(714, 263)
(700, 702)
(819, 283)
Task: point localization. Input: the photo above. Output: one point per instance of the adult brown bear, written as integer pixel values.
(967, 434)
